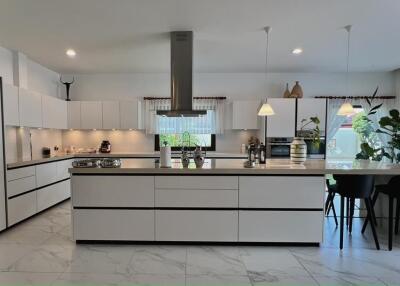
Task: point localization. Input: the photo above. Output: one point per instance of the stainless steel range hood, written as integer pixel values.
(181, 77)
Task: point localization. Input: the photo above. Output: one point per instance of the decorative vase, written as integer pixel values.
(297, 91)
(198, 157)
(286, 94)
(298, 150)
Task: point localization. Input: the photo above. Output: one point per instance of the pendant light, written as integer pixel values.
(265, 109)
(347, 108)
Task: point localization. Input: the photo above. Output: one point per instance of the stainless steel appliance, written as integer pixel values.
(97, 163)
(278, 147)
(105, 147)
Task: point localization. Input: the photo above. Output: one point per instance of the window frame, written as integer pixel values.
(174, 148)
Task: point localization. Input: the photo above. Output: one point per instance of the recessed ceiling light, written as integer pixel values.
(70, 53)
(297, 51)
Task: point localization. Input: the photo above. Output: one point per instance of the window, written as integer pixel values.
(178, 140)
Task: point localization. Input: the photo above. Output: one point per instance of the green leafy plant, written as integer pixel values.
(313, 133)
(390, 125)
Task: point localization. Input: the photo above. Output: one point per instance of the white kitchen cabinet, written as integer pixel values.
(197, 182)
(91, 115)
(30, 108)
(244, 114)
(19, 173)
(46, 174)
(53, 194)
(22, 207)
(281, 192)
(130, 114)
(20, 186)
(281, 226)
(111, 115)
(283, 122)
(113, 224)
(74, 114)
(310, 107)
(196, 225)
(10, 101)
(54, 112)
(117, 191)
(62, 169)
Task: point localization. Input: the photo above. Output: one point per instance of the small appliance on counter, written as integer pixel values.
(251, 156)
(105, 147)
(46, 152)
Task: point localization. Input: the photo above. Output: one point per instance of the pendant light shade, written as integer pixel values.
(265, 109)
(347, 108)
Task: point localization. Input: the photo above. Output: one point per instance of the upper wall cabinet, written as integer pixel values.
(130, 115)
(10, 101)
(283, 122)
(310, 107)
(74, 114)
(30, 108)
(54, 112)
(111, 114)
(244, 114)
(91, 115)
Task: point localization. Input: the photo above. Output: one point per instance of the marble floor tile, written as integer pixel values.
(220, 280)
(215, 260)
(27, 278)
(25, 234)
(69, 278)
(10, 253)
(348, 280)
(110, 259)
(272, 261)
(45, 258)
(259, 278)
(158, 260)
(157, 280)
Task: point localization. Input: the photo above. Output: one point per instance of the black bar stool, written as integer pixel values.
(355, 187)
(329, 203)
(392, 190)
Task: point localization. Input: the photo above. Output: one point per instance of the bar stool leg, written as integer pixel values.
(368, 204)
(390, 222)
(375, 197)
(396, 228)
(352, 203)
(334, 212)
(341, 220)
(347, 211)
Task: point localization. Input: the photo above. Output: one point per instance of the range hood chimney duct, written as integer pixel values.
(181, 77)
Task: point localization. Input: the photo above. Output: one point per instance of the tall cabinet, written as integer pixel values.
(3, 220)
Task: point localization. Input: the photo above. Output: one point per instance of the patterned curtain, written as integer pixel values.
(212, 123)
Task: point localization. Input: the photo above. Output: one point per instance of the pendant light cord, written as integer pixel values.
(267, 30)
(348, 29)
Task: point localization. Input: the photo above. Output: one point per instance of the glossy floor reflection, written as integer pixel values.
(40, 252)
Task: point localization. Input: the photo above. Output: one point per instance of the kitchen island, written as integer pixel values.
(223, 202)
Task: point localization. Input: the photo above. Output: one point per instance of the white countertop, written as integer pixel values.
(235, 167)
(42, 160)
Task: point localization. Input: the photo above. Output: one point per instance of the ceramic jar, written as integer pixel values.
(298, 150)
(286, 94)
(297, 91)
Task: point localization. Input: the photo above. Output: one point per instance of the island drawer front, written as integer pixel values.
(197, 182)
(51, 195)
(104, 224)
(20, 173)
(113, 191)
(281, 226)
(191, 198)
(62, 169)
(22, 185)
(281, 191)
(46, 174)
(196, 225)
(21, 207)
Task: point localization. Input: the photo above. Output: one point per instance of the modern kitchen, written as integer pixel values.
(193, 142)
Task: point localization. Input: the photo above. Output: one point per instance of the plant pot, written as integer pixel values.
(298, 150)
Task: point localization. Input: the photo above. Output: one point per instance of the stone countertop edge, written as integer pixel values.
(20, 164)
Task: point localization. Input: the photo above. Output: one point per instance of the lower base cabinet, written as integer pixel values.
(196, 225)
(113, 224)
(22, 207)
(51, 195)
(281, 226)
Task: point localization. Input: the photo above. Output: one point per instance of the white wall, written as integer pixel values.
(43, 80)
(232, 85)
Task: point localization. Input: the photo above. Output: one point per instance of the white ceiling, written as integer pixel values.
(132, 35)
